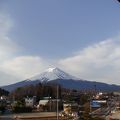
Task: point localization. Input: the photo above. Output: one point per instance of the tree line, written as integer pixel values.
(40, 90)
(3, 92)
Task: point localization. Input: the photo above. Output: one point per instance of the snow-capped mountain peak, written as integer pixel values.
(64, 79)
(51, 69)
(52, 74)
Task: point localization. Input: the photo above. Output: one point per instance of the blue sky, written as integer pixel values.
(64, 33)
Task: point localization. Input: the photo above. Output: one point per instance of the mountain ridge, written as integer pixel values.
(66, 80)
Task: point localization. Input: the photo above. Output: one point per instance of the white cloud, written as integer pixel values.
(99, 62)
(7, 46)
(15, 68)
(25, 66)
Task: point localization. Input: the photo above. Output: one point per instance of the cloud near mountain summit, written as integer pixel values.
(99, 62)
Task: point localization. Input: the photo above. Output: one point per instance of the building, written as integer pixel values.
(48, 104)
(115, 116)
(30, 102)
(70, 107)
(116, 93)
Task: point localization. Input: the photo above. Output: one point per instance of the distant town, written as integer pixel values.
(53, 102)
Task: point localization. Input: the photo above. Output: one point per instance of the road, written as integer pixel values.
(105, 111)
(29, 115)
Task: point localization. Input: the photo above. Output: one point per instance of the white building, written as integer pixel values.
(43, 102)
(30, 102)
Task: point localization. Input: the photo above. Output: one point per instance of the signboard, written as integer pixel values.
(95, 103)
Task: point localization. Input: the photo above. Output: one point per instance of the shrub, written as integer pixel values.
(21, 109)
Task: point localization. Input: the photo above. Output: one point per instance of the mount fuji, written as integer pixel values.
(47, 76)
(56, 75)
(52, 74)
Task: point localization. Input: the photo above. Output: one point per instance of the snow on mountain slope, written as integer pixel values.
(55, 75)
(52, 74)
(49, 75)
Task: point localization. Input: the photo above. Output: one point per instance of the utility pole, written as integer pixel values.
(95, 89)
(57, 102)
(50, 103)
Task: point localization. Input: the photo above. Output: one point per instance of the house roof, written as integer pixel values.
(43, 102)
